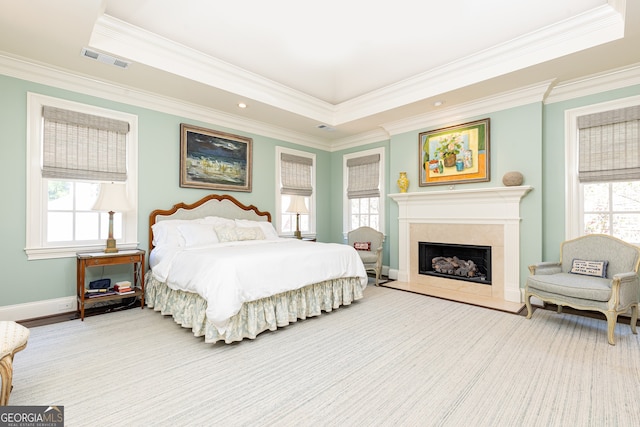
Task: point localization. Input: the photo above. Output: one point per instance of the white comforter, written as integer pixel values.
(229, 274)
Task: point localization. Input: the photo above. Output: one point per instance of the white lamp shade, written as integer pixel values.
(112, 198)
(297, 205)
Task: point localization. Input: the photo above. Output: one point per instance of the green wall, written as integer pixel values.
(553, 172)
(158, 156)
(337, 186)
(515, 145)
(528, 138)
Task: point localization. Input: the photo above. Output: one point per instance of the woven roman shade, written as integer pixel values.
(83, 146)
(364, 177)
(295, 173)
(609, 145)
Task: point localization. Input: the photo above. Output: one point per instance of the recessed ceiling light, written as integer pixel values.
(438, 103)
(242, 105)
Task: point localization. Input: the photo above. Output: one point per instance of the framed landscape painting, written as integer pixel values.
(214, 160)
(456, 154)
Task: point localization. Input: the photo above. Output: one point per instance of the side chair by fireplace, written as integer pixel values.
(368, 243)
(596, 272)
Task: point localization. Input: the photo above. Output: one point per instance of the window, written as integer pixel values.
(612, 208)
(603, 170)
(363, 183)
(296, 181)
(72, 148)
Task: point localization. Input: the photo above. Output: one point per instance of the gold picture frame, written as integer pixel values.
(214, 160)
(455, 154)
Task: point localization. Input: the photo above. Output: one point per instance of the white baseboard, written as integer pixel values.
(32, 310)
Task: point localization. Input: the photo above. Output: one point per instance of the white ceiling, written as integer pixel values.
(351, 64)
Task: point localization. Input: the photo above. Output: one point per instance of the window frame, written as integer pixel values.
(574, 201)
(36, 203)
(346, 222)
(312, 199)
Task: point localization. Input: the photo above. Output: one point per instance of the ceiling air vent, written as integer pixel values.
(326, 128)
(104, 58)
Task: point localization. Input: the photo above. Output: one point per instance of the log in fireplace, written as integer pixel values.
(471, 263)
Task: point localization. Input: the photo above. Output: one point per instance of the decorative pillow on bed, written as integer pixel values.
(197, 234)
(362, 246)
(232, 234)
(226, 234)
(270, 233)
(589, 268)
(249, 233)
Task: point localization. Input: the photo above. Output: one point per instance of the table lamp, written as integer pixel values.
(112, 198)
(297, 206)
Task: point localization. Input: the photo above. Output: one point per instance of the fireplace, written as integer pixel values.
(487, 217)
(471, 263)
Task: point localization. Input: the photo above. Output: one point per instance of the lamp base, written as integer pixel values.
(297, 234)
(111, 247)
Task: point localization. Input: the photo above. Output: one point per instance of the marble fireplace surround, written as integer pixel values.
(479, 216)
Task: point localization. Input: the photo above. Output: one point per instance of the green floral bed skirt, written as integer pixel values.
(188, 309)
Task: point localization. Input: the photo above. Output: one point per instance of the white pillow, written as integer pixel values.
(166, 232)
(270, 233)
(219, 221)
(198, 234)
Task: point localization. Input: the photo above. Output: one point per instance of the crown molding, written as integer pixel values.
(123, 39)
(43, 74)
(370, 137)
(597, 83)
(592, 28)
(502, 101)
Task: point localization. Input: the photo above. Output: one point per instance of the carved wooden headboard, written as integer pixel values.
(212, 205)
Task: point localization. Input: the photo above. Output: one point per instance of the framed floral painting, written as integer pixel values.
(456, 154)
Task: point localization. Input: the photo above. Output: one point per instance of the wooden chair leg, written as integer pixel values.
(527, 302)
(6, 373)
(612, 317)
(634, 318)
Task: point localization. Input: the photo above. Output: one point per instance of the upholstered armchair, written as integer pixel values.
(13, 338)
(368, 243)
(596, 272)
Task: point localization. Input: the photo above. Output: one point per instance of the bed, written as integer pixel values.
(218, 267)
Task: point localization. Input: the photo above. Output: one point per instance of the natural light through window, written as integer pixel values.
(612, 208)
(295, 191)
(70, 217)
(363, 187)
(365, 212)
(602, 155)
(72, 149)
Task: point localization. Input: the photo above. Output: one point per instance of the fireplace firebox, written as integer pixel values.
(471, 263)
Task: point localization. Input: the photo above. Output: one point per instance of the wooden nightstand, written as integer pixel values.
(101, 259)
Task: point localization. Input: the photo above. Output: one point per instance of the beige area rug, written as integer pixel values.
(382, 280)
(392, 358)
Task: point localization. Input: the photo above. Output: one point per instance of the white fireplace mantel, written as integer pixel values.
(498, 205)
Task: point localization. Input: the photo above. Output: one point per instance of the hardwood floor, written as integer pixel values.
(73, 315)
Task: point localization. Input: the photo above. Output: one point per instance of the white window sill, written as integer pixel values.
(70, 251)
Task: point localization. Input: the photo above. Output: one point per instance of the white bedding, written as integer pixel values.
(229, 274)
